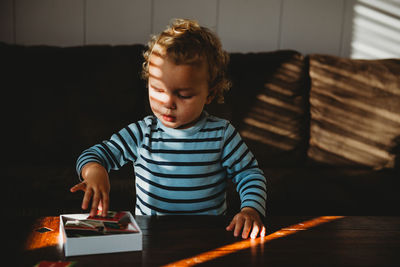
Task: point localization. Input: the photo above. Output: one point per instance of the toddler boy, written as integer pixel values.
(182, 156)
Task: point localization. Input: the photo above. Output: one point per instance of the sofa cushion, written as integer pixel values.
(59, 101)
(267, 104)
(355, 111)
(334, 191)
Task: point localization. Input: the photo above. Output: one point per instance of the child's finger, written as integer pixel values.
(255, 231)
(77, 187)
(105, 204)
(238, 226)
(100, 207)
(246, 229)
(263, 231)
(95, 204)
(86, 199)
(231, 226)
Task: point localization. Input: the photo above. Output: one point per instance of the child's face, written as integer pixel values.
(177, 93)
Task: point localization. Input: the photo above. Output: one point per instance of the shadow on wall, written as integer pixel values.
(375, 31)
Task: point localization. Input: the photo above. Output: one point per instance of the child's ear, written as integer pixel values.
(211, 96)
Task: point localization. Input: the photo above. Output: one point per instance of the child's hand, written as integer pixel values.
(248, 219)
(96, 186)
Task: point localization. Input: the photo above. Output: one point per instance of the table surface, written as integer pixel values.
(192, 240)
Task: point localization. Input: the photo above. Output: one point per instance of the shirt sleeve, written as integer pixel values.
(242, 168)
(112, 154)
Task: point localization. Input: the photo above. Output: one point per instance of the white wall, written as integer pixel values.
(348, 28)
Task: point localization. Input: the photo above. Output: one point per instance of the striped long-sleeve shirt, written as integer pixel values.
(183, 171)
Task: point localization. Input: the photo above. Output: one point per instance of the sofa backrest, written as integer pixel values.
(59, 101)
(268, 105)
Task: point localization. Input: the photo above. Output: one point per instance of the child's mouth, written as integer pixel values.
(168, 118)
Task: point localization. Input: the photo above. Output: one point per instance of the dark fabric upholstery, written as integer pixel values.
(57, 102)
(268, 105)
(355, 111)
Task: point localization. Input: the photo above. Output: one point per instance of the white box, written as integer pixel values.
(74, 246)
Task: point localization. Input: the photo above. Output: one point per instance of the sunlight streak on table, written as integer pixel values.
(252, 243)
(38, 240)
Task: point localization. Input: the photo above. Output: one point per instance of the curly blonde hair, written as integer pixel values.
(186, 42)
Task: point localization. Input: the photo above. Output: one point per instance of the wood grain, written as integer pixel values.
(290, 241)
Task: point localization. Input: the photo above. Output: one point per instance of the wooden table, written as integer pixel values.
(191, 240)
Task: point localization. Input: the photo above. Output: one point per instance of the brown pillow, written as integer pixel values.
(355, 111)
(267, 105)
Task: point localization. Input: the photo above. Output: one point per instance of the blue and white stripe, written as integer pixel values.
(183, 171)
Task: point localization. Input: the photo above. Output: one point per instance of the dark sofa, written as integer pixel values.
(325, 130)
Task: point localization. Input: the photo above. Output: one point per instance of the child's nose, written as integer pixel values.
(169, 102)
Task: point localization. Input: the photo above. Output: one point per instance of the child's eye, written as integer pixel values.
(184, 96)
(157, 89)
